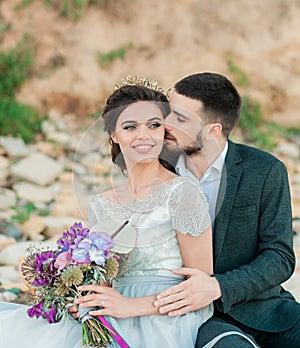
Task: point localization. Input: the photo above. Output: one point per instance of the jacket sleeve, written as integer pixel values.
(275, 261)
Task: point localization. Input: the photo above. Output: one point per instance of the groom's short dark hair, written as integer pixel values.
(221, 101)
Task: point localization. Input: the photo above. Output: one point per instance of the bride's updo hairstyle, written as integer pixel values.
(118, 101)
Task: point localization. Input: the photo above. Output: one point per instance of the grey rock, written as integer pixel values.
(7, 198)
(48, 127)
(60, 137)
(287, 149)
(36, 193)
(79, 169)
(38, 168)
(9, 273)
(14, 146)
(10, 296)
(56, 225)
(12, 254)
(9, 229)
(4, 162)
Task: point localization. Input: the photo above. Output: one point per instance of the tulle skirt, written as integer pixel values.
(157, 330)
(18, 330)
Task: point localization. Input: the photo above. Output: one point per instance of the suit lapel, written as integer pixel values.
(229, 182)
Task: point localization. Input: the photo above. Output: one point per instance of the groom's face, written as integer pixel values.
(184, 125)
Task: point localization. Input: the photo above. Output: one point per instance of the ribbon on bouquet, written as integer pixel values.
(114, 334)
(84, 315)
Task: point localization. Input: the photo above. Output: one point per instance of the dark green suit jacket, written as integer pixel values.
(253, 246)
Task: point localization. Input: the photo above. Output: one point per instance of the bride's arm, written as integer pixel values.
(197, 251)
(114, 304)
(201, 288)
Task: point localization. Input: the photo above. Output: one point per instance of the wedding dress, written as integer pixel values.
(145, 270)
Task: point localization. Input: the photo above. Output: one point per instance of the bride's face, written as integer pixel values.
(140, 132)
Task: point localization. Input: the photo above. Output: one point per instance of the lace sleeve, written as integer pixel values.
(189, 208)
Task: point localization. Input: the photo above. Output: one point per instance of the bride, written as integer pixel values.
(170, 217)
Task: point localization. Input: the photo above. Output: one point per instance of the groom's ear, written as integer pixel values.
(215, 129)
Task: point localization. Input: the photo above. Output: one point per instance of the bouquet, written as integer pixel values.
(82, 257)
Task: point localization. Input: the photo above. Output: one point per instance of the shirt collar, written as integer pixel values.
(218, 164)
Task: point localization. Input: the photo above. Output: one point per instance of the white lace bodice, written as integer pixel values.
(180, 206)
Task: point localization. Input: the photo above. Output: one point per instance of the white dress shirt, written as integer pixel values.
(210, 182)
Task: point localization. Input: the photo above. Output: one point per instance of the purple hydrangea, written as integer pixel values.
(63, 259)
(94, 248)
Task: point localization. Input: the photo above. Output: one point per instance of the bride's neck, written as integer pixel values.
(142, 176)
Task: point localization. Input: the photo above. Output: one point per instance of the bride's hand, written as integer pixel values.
(74, 309)
(112, 303)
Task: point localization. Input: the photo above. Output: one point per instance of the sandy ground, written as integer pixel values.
(169, 40)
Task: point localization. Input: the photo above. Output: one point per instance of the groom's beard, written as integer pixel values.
(193, 148)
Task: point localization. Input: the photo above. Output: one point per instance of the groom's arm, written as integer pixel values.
(274, 262)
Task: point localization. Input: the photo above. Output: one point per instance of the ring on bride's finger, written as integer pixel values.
(102, 303)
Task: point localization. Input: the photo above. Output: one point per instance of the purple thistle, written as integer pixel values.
(45, 270)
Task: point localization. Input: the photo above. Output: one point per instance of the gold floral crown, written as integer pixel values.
(140, 81)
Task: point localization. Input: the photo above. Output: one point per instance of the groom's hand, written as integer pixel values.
(198, 291)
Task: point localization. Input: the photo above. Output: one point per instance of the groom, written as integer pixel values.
(249, 202)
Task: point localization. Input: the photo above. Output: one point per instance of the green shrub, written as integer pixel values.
(107, 59)
(15, 67)
(293, 131)
(18, 120)
(240, 75)
(23, 211)
(73, 9)
(4, 26)
(255, 129)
